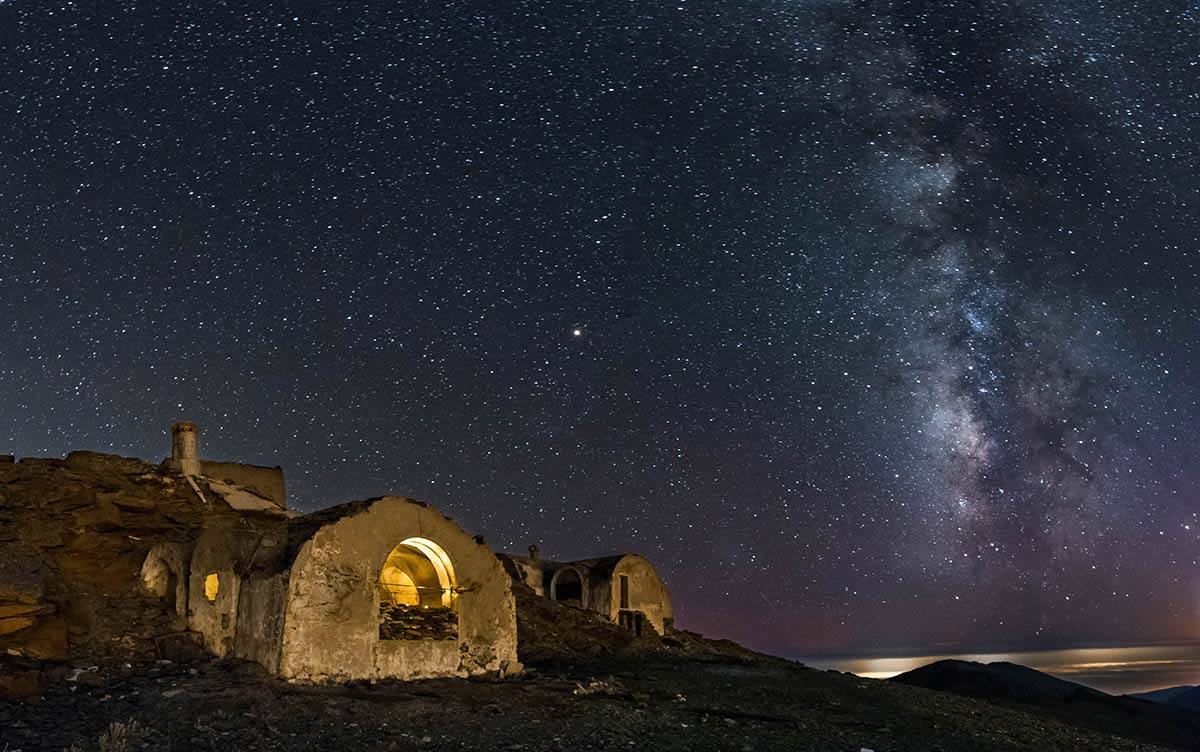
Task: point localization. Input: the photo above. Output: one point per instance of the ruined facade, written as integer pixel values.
(105, 555)
(383, 588)
(626, 589)
(109, 555)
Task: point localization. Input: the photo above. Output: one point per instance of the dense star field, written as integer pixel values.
(870, 323)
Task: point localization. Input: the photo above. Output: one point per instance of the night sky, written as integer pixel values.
(872, 324)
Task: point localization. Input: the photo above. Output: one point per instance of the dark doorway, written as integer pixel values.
(568, 588)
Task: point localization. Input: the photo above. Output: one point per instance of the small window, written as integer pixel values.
(212, 585)
(624, 591)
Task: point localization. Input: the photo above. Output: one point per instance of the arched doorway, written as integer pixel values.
(567, 587)
(418, 593)
(164, 575)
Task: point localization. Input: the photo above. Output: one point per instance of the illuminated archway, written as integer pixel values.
(418, 573)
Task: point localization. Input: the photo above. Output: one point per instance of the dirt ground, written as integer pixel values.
(661, 704)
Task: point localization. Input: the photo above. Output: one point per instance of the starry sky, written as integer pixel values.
(873, 324)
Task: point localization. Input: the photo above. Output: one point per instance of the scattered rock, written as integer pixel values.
(403, 622)
(90, 678)
(608, 686)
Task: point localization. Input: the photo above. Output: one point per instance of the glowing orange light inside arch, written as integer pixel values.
(419, 572)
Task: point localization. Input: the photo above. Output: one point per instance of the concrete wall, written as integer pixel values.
(226, 550)
(262, 602)
(331, 623)
(267, 482)
(647, 592)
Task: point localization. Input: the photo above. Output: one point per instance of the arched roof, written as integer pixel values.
(301, 529)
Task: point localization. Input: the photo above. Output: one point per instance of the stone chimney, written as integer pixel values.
(533, 552)
(184, 456)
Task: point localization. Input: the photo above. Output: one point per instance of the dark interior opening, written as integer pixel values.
(568, 588)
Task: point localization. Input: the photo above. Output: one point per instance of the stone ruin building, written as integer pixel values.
(625, 589)
(105, 555)
(387, 587)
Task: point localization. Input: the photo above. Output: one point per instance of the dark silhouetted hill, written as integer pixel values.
(1021, 687)
(1186, 697)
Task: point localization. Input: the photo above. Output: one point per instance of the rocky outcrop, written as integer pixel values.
(74, 538)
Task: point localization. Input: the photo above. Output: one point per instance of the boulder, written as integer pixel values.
(102, 516)
(241, 499)
(45, 640)
(15, 623)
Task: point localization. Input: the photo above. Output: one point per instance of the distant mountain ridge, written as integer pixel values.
(1132, 717)
(1186, 697)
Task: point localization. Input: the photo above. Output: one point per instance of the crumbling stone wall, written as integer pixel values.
(533, 573)
(103, 555)
(402, 622)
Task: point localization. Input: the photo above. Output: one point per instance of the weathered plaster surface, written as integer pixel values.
(331, 623)
(229, 551)
(647, 593)
(259, 637)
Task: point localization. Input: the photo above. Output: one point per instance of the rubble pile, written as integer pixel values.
(402, 622)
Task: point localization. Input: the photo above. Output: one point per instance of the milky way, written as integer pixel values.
(872, 324)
